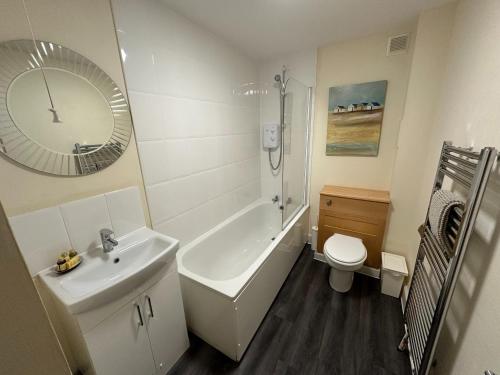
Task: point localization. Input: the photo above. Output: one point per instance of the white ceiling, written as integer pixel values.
(265, 28)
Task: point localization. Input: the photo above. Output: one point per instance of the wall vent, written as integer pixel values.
(398, 44)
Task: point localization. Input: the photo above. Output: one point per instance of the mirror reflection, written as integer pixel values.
(64, 115)
(82, 118)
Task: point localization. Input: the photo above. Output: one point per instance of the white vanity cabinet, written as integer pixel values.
(146, 336)
(120, 312)
(140, 332)
(120, 345)
(165, 322)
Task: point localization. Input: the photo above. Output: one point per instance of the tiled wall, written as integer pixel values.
(198, 137)
(42, 235)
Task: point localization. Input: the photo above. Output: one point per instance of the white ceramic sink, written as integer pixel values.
(102, 277)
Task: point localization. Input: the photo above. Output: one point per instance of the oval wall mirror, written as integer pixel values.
(59, 112)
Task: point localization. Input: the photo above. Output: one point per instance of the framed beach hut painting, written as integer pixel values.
(355, 114)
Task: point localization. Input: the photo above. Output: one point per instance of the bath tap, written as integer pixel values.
(275, 199)
(108, 243)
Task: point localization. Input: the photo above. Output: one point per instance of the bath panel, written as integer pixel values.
(227, 311)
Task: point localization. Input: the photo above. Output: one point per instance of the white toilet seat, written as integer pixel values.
(344, 250)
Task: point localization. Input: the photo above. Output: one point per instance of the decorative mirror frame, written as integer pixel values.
(19, 56)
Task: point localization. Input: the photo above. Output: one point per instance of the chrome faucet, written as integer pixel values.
(108, 243)
(275, 199)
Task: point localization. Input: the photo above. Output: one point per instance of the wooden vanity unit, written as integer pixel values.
(355, 212)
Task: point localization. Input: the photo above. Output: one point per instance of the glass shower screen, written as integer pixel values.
(295, 144)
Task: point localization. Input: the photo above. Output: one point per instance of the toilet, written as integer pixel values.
(344, 254)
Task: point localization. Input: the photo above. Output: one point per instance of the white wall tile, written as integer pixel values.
(41, 236)
(183, 227)
(156, 166)
(189, 225)
(139, 57)
(170, 198)
(125, 210)
(142, 63)
(147, 115)
(177, 196)
(247, 194)
(84, 219)
(194, 222)
(204, 152)
(177, 114)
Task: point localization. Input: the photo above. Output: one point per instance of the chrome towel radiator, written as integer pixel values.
(436, 270)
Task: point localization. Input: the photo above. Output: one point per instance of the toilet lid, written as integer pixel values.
(345, 249)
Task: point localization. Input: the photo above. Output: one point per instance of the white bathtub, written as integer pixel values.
(231, 275)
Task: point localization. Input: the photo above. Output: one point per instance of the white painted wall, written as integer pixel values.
(357, 61)
(87, 28)
(467, 112)
(29, 345)
(409, 195)
(198, 137)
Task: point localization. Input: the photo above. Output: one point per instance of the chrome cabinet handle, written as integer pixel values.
(151, 313)
(329, 202)
(141, 322)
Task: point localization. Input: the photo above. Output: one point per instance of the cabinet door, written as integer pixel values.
(368, 232)
(120, 345)
(166, 322)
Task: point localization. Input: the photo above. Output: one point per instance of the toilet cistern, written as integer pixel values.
(108, 243)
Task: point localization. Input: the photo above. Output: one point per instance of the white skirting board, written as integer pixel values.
(319, 256)
(368, 271)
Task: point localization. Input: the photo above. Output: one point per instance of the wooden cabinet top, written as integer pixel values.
(356, 193)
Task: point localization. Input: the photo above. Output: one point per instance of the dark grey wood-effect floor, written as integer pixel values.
(311, 329)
